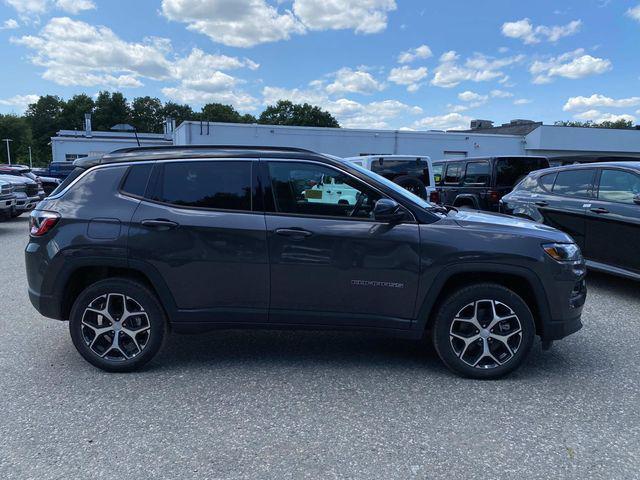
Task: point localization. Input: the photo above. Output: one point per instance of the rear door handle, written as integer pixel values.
(159, 224)
(599, 210)
(542, 204)
(293, 232)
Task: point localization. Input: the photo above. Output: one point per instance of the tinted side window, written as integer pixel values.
(438, 169)
(70, 178)
(311, 189)
(510, 171)
(453, 173)
(203, 184)
(618, 186)
(547, 181)
(136, 179)
(574, 183)
(529, 184)
(477, 173)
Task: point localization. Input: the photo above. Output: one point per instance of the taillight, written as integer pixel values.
(494, 196)
(41, 222)
(434, 197)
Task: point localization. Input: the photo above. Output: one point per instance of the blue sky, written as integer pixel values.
(372, 63)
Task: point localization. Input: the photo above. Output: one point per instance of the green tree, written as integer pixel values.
(17, 129)
(217, 112)
(111, 109)
(179, 113)
(618, 124)
(288, 113)
(73, 111)
(147, 114)
(44, 118)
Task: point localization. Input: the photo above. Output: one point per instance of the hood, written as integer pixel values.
(16, 179)
(498, 223)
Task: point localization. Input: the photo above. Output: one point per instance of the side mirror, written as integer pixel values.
(636, 199)
(388, 211)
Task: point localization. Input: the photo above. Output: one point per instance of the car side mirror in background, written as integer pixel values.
(636, 199)
(388, 211)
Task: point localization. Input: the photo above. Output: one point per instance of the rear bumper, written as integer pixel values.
(47, 305)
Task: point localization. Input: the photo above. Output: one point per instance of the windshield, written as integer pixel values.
(395, 187)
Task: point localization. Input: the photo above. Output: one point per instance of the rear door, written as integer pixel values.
(332, 264)
(451, 184)
(613, 220)
(475, 183)
(566, 208)
(200, 230)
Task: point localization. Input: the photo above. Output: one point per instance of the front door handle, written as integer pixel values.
(599, 210)
(159, 224)
(542, 204)
(293, 232)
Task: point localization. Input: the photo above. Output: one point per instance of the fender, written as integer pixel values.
(467, 196)
(435, 291)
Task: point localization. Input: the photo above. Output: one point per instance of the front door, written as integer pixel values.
(613, 221)
(198, 230)
(331, 262)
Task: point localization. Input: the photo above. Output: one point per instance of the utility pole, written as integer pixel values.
(7, 140)
(30, 160)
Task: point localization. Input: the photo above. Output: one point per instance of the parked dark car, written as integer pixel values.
(7, 199)
(479, 183)
(597, 204)
(25, 191)
(59, 170)
(142, 241)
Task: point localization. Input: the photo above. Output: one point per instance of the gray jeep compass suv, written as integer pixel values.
(142, 241)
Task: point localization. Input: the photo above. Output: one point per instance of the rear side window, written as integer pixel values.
(67, 181)
(574, 183)
(529, 184)
(618, 186)
(509, 171)
(453, 173)
(135, 182)
(438, 169)
(477, 173)
(547, 181)
(203, 184)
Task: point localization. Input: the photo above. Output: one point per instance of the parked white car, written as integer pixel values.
(412, 172)
(331, 190)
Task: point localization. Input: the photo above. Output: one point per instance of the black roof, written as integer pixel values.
(634, 164)
(487, 157)
(195, 151)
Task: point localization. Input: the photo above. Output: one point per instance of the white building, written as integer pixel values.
(68, 145)
(541, 140)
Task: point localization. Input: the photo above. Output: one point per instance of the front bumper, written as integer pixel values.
(26, 204)
(568, 297)
(7, 203)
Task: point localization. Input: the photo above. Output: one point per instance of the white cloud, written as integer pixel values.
(409, 77)
(364, 16)
(20, 102)
(469, 96)
(237, 23)
(525, 31)
(596, 116)
(522, 101)
(501, 94)
(597, 100)
(10, 24)
(634, 12)
(477, 68)
(450, 121)
(350, 114)
(75, 6)
(571, 65)
(422, 52)
(347, 80)
(457, 108)
(29, 6)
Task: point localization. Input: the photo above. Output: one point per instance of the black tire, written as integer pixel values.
(413, 184)
(132, 351)
(482, 296)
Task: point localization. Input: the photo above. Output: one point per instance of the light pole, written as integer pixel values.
(7, 140)
(30, 160)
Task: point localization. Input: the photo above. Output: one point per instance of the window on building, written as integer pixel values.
(201, 184)
(575, 182)
(450, 154)
(310, 189)
(477, 173)
(70, 157)
(454, 171)
(618, 186)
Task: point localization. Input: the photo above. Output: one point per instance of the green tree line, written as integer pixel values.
(51, 113)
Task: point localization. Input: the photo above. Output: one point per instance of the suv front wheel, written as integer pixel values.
(117, 325)
(483, 331)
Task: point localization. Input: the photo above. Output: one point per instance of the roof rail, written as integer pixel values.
(206, 147)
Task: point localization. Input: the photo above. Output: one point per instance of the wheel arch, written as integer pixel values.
(466, 199)
(521, 280)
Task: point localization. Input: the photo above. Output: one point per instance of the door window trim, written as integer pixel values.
(268, 192)
(475, 184)
(593, 184)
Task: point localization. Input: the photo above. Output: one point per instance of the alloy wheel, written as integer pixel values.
(115, 327)
(485, 334)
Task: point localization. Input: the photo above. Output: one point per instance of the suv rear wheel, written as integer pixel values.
(117, 325)
(413, 184)
(483, 331)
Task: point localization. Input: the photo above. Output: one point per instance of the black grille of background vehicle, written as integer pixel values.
(6, 189)
(32, 190)
(20, 188)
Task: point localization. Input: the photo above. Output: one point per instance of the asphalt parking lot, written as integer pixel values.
(290, 405)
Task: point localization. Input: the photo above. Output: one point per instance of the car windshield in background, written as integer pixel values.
(395, 187)
(510, 171)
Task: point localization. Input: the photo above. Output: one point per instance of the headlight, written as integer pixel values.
(563, 252)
